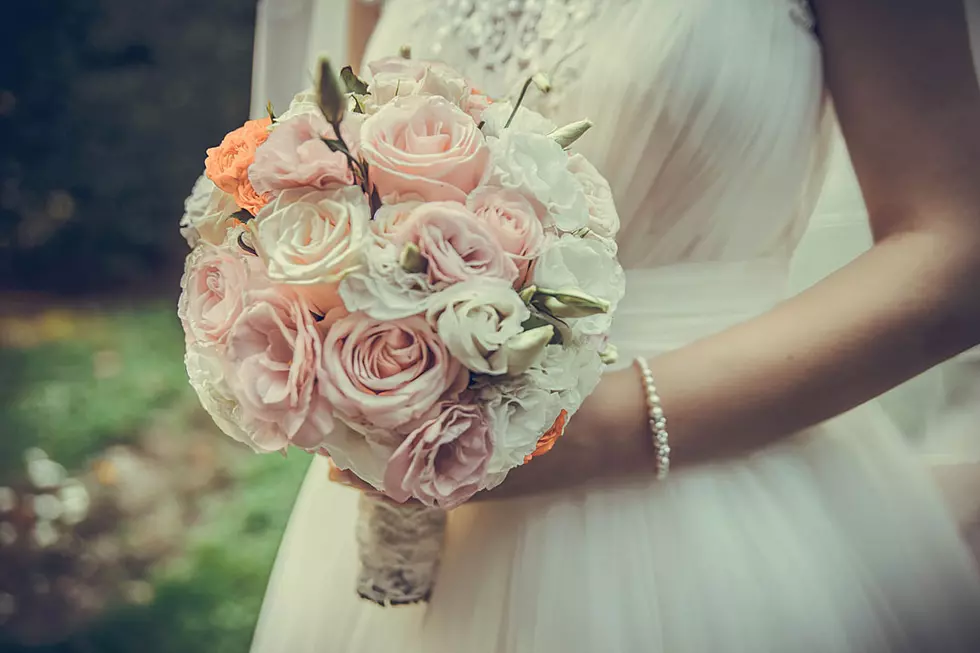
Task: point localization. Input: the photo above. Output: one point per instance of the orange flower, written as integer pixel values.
(547, 441)
(227, 165)
(247, 198)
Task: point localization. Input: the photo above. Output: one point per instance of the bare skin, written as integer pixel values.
(907, 98)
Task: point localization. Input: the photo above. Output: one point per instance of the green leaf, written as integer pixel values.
(358, 105)
(352, 82)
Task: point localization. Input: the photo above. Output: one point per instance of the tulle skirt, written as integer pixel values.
(834, 540)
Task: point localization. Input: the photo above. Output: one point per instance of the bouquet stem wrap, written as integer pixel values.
(399, 546)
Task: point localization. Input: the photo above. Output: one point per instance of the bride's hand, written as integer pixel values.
(348, 479)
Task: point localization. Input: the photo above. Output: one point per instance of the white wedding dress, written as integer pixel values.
(711, 125)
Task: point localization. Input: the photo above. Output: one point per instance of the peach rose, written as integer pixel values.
(424, 146)
(444, 461)
(274, 353)
(386, 374)
(455, 243)
(227, 165)
(514, 222)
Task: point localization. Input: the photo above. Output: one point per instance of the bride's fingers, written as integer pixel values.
(345, 477)
(348, 479)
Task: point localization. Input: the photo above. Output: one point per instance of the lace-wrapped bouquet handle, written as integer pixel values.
(409, 278)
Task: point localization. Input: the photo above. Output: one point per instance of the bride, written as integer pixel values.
(794, 516)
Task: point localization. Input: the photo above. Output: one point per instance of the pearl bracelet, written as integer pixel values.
(657, 420)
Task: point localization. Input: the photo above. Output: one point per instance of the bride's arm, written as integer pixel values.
(361, 18)
(908, 101)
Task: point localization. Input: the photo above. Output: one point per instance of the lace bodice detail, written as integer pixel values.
(707, 112)
(506, 40)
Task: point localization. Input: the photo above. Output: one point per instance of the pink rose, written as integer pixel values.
(274, 350)
(475, 105)
(424, 146)
(211, 298)
(455, 243)
(514, 222)
(397, 76)
(386, 374)
(444, 461)
(391, 217)
(295, 156)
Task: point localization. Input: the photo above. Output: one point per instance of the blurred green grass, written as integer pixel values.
(76, 382)
(88, 380)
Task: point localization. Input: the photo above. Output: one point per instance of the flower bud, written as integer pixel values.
(411, 259)
(570, 133)
(525, 349)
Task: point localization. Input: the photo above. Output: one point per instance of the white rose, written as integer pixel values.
(207, 213)
(383, 288)
(474, 319)
(195, 207)
(313, 237)
(537, 166)
(496, 115)
(584, 264)
(603, 218)
(206, 372)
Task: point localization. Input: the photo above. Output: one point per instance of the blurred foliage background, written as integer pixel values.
(126, 522)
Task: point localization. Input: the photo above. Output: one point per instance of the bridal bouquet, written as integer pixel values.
(407, 277)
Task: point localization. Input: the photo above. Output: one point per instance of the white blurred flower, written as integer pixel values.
(535, 165)
(8, 534)
(47, 507)
(43, 472)
(45, 534)
(8, 499)
(75, 501)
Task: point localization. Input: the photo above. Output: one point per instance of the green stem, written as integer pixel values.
(520, 99)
